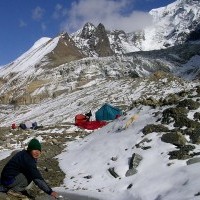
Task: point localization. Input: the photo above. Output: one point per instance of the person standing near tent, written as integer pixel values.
(88, 115)
(21, 170)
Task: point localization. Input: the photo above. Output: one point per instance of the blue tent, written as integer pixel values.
(107, 112)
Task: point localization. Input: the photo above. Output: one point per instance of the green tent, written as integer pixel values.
(107, 112)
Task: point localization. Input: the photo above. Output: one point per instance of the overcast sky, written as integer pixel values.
(23, 22)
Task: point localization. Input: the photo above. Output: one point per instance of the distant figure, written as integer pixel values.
(34, 125)
(13, 126)
(21, 170)
(88, 116)
(22, 126)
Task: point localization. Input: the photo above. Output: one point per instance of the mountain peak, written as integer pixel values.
(64, 52)
(103, 45)
(88, 30)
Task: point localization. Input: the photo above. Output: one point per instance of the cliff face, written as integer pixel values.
(64, 52)
(102, 47)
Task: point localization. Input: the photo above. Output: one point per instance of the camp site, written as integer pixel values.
(103, 115)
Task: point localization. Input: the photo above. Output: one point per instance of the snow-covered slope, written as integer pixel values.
(35, 55)
(92, 96)
(124, 160)
(172, 24)
(86, 163)
(90, 82)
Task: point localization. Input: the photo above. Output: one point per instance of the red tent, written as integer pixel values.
(81, 121)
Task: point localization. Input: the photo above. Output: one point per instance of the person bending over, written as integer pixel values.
(21, 170)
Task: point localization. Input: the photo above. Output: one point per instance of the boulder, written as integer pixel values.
(193, 161)
(133, 164)
(174, 138)
(150, 128)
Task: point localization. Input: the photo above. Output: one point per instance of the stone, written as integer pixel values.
(193, 161)
(174, 138)
(154, 128)
(133, 164)
(113, 173)
(131, 172)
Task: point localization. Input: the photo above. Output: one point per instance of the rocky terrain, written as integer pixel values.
(180, 111)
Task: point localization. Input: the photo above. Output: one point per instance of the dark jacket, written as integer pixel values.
(24, 163)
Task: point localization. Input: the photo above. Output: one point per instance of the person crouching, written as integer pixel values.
(21, 170)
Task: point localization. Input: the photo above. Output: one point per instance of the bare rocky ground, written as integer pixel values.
(53, 145)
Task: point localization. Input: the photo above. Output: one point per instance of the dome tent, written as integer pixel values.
(107, 112)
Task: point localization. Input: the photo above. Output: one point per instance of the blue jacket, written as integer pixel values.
(23, 162)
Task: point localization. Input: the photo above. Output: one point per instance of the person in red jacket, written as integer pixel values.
(21, 170)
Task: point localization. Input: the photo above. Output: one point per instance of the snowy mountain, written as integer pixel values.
(152, 151)
(86, 62)
(174, 24)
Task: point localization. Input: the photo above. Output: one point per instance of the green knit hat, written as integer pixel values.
(34, 144)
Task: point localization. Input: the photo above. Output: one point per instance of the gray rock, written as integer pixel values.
(174, 138)
(133, 164)
(150, 128)
(131, 172)
(193, 161)
(114, 158)
(113, 173)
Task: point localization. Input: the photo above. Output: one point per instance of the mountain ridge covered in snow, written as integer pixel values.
(54, 70)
